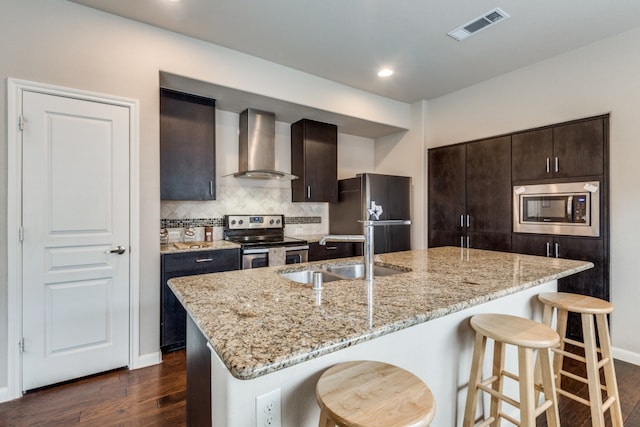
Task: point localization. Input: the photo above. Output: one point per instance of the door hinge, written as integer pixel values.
(21, 345)
(21, 122)
(21, 234)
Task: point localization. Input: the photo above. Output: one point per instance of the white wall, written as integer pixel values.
(62, 43)
(404, 154)
(601, 78)
(355, 155)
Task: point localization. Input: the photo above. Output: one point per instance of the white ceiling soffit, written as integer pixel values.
(235, 101)
(349, 41)
(480, 23)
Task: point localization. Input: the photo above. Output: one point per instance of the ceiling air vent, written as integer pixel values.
(488, 19)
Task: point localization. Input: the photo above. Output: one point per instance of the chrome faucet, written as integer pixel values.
(367, 238)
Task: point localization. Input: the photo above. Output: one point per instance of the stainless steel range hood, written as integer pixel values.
(257, 146)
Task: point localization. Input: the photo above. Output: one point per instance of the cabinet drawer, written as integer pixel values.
(202, 261)
(332, 250)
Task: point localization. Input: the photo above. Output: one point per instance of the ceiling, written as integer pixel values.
(347, 41)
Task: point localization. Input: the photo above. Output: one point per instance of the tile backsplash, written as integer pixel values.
(300, 218)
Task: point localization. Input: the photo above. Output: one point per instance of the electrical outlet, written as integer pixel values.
(268, 409)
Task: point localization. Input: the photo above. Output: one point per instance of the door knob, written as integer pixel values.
(118, 250)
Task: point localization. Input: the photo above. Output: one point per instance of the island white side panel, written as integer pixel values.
(438, 351)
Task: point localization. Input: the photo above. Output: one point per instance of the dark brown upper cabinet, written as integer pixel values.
(563, 151)
(187, 146)
(314, 160)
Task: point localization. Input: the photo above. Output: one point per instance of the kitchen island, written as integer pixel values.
(266, 332)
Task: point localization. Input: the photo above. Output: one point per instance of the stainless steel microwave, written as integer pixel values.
(571, 208)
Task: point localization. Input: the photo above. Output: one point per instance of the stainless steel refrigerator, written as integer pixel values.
(355, 195)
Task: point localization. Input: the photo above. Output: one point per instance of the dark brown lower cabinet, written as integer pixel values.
(173, 316)
(593, 282)
(491, 241)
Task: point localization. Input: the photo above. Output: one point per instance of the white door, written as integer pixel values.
(75, 215)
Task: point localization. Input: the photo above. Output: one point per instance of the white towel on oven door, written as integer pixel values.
(277, 256)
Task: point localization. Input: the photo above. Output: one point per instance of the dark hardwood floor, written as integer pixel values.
(155, 396)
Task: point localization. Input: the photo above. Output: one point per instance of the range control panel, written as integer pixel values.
(249, 222)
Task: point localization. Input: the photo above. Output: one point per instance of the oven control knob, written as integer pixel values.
(271, 222)
(277, 221)
(233, 222)
(240, 221)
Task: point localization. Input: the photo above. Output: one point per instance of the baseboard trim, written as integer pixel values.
(144, 360)
(5, 396)
(626, 356)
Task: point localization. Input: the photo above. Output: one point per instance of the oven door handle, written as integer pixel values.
(296, 248)
(266, 250)
(255, 251)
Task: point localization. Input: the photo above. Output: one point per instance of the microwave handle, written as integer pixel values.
(570, 207)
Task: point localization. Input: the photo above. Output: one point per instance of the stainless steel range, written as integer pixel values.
(262, 240)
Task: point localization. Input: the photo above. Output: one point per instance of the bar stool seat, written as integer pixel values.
(592, 310)
(369, 394)
(526, 335)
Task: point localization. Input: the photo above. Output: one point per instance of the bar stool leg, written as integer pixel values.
(474, 379)
(593, 373)
(498, 366)
(526, 383)
(325, 421)
(549, 385)
(558, 358)
(609, 370)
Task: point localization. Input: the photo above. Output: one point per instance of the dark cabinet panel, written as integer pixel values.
(593, 282)
(491, 241)
(173, 316)
(489, 186)
(579, 148)
(314, 160)
(532, 154)
(332, 250)
(198, 377)
(447, 188)
(569, 150)
(470, 195)
(187, 147)
(439, 238)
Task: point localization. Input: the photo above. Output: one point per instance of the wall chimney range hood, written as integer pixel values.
(257, 146)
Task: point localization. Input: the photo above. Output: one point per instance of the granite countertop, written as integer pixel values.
(169, 248)
(259, 322)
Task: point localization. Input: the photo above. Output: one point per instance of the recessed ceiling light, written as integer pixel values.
(385, 72)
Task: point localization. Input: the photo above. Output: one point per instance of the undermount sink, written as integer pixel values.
(356, 271)
(338, 272)
(306, 276)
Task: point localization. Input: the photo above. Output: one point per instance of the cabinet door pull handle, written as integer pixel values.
(548, 165)
(468, 242)
(461, 242)
(204, 260)
(557, 165)
(461, 220)
(211, 188)
(468, 220)
(331, 248)
(308, 191)
(548, 249)
(557, 250)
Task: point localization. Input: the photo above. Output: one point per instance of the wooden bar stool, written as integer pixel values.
(526, 335)
(367, 394)
(590, 310)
